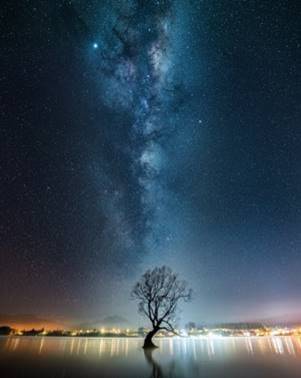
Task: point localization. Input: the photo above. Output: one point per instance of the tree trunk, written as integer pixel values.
(148, 343)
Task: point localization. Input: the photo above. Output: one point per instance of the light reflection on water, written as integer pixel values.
(176, 357)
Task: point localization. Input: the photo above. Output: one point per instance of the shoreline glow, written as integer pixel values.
(193, 333)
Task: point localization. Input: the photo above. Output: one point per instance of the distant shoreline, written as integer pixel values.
(157, 337)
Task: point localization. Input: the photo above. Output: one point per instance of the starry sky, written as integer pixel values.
(138, 133)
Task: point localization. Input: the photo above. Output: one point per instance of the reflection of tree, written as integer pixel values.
(157, 372)
(156, 368)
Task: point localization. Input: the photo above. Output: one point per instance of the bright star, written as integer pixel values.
(95, 45)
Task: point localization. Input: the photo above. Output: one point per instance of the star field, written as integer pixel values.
(137, 133)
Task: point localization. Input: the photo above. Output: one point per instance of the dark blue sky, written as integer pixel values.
(137, 133)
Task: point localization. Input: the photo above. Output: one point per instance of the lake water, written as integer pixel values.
(53, 357)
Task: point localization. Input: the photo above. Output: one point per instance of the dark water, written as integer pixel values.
(176, 357)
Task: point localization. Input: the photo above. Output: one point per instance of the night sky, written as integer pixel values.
(148, 132)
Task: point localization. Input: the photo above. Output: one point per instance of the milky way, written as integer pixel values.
(137, 78)
(135, 60)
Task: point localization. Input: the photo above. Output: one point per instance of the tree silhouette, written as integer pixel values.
(158, 293)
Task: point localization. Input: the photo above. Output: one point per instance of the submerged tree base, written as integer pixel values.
(149, 345)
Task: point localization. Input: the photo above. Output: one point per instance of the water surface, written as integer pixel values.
(258, 357)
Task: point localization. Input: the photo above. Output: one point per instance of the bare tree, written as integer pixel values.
(158, 293)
